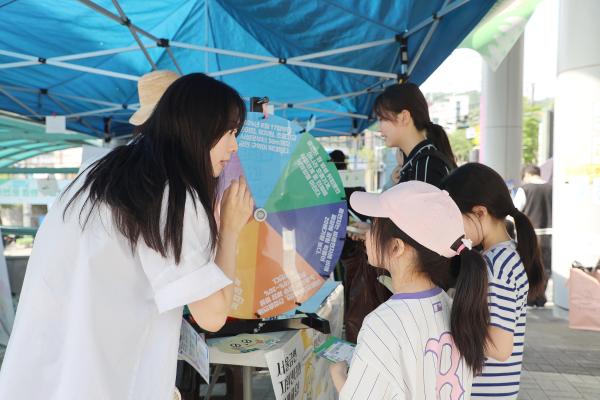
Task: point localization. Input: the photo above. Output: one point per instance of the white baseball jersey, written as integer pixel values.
(405, 351)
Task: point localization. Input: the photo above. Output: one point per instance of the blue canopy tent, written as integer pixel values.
(327, 58)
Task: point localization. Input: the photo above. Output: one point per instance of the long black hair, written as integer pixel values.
(475, 184)
(407, 96)
(467, 272)
(172, 149)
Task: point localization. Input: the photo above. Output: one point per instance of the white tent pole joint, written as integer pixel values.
(116, 18)
(166, 44)
(127, 22)
(436, 18)
(442, 12)
(172, 56)
(403, 40)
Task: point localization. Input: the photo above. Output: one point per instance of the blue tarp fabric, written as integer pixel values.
(33, 82)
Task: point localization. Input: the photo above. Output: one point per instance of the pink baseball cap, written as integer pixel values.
(422, 211)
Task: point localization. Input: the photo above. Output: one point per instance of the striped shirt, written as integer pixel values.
(405, 351)
(508, 288)
(428, 169)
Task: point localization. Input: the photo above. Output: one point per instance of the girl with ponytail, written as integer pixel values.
(404, 122)
(515, 271)
(419, 344)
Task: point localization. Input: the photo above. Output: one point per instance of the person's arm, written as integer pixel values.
(236, 208)
(197, 280)
(503, 309)
(211, 312)
(339, 374)
(500, 344)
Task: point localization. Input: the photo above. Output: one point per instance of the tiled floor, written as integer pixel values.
(559, 363)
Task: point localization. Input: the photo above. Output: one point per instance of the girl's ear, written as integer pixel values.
(398, 119)
(403, 118)
(397, 248)
(480, 212)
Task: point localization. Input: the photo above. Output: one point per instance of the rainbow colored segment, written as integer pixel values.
(284, 258)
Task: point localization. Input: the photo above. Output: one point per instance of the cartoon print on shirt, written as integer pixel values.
(449, 377)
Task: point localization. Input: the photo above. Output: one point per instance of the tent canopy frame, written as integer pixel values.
(146, 40)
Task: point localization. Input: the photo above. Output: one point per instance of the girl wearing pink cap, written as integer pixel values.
(515, 272)
(419, 344)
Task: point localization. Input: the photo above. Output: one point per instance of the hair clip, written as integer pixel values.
(468, 243)
(464, 244)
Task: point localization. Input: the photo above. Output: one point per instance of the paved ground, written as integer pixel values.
(559, 363)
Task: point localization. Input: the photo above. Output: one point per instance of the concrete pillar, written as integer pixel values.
(576, 216)
(502, 115)
(546, 137)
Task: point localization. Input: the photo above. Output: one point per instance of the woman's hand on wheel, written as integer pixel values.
(236, 207)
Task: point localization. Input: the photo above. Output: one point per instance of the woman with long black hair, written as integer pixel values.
(129, 243)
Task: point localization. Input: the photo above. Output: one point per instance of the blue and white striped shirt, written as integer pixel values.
(507, 297)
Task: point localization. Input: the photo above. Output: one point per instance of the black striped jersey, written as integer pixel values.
(424, 167)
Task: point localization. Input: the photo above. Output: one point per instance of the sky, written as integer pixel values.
(461, 72)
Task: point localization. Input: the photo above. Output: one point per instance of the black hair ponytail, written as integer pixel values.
(437, 135)
(529, 251)
(470, 315)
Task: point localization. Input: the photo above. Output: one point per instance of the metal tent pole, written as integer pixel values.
(19, 102)
(127, 23)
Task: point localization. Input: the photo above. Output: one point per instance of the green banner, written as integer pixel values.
(498, 32)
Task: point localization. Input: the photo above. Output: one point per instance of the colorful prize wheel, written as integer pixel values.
(295, 238)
